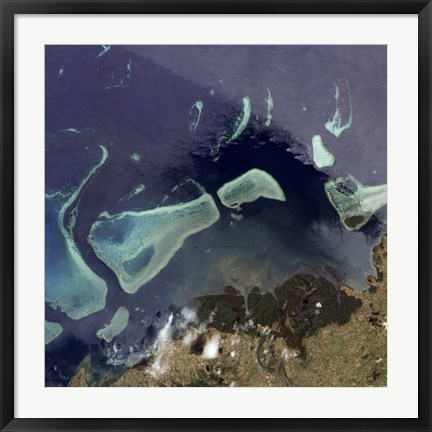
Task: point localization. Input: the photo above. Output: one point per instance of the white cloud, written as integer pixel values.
(211, 349)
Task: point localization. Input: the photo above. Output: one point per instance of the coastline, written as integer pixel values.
(322, 337)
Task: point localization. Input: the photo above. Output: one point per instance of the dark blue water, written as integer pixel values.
(137, 100)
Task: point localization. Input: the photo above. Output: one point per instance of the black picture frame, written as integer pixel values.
(9, 8)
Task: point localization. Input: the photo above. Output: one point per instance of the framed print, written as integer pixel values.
(215, 216)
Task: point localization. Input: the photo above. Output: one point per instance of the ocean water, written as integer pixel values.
(134, 128)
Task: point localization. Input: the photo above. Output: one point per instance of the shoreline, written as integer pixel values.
(274, 346)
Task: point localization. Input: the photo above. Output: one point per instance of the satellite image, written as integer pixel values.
(215, 215)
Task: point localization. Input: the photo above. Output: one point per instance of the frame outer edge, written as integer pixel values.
(425, 204)
(7, 215)
(218, 6)
(7, 11)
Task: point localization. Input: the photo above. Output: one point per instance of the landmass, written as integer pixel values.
(308, 334)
